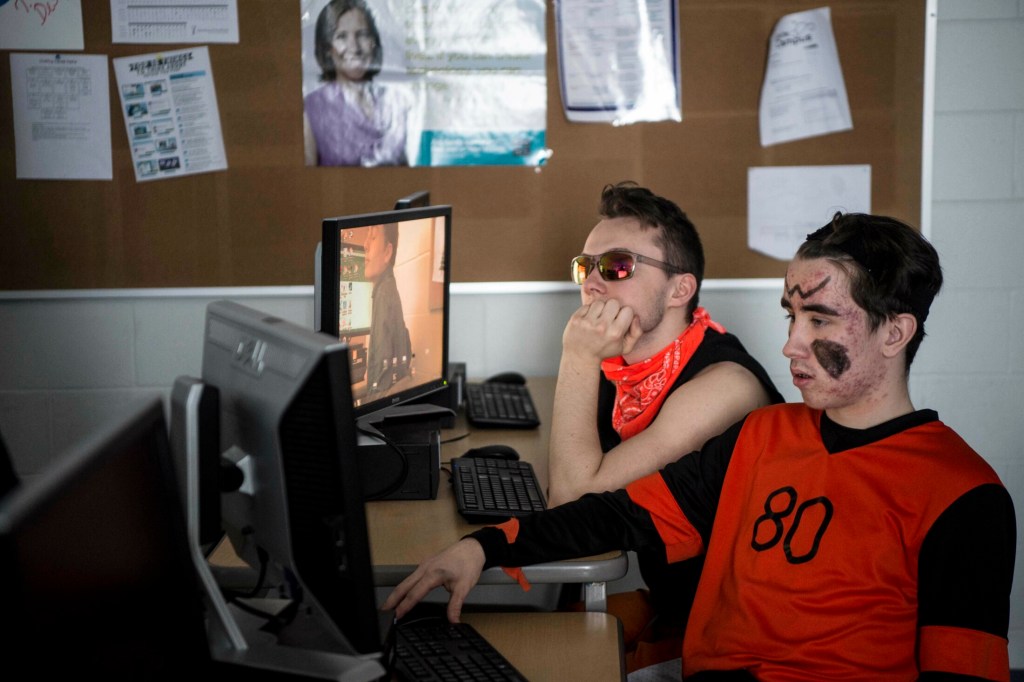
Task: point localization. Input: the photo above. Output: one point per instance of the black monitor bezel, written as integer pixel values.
(98, 603)
(330, 276)
(8, 475)
(415, 200)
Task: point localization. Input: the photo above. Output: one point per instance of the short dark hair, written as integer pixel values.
(892, 268)
(390, 231)
(677, 236)
(327, 22)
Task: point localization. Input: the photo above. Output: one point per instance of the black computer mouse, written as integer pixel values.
(507, 378)
(495, 451)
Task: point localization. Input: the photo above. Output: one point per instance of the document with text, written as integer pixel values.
(169, 105)
(803, 94)
(174, 21)
(618, 60)
(61, 116)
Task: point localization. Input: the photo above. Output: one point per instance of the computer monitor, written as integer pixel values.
(384, 292)
(95, 563)
(286, 421)
(414, 200)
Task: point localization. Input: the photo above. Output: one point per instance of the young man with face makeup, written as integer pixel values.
(851, 536)
(645, 375)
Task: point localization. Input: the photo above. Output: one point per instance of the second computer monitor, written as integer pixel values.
(384, 292)
(285, 419)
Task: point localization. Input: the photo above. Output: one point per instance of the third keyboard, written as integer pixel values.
(496, 405)
(491, 490)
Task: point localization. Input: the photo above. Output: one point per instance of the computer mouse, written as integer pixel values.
(507, 378)
(495, 451)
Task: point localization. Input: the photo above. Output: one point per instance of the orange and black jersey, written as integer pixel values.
(673, 585)
(831, 553)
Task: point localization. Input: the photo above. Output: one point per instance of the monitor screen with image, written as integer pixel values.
(384, 292)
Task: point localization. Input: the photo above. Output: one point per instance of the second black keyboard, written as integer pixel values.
(491, 490)
(435, 649)
(497, 405)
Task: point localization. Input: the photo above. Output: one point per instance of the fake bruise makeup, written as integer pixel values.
(833, 357)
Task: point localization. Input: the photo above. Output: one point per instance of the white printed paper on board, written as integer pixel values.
(61, 116)
(169, 105)
(803, 94)
(618, 60)
(786, 203)
(174, 21)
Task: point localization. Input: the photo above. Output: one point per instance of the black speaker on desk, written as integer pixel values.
(400, 460)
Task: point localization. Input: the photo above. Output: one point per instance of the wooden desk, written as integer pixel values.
(556, 646)
(405, 532)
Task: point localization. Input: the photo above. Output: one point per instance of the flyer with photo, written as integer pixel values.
(169, 105)
(416, 83)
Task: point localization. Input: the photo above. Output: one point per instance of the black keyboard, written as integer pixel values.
(489, 490)
(502, 406)
(434, 649)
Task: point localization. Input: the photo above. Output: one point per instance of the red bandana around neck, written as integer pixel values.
(640, 388)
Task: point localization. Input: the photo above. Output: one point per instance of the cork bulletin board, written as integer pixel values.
(258, 222)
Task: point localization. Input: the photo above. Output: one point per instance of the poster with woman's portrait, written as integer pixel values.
(424, 83)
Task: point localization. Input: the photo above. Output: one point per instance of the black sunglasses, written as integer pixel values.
(613, 265)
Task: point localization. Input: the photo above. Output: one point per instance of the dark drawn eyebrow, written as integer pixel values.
(807, 294)
(811, 308)
(821, 309)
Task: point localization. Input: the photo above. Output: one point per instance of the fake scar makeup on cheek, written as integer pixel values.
(832, 357)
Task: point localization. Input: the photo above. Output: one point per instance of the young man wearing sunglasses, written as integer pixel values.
(645, 376)
(851, 536)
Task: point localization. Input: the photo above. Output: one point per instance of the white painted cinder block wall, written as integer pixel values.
(68, 362)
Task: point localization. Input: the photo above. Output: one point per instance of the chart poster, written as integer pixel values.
(33, 25)
(170, 112)
(61, 116)
(174, 21)
(424, 82)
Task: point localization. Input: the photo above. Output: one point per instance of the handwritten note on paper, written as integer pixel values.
(803, 94)
(41, 25)
(785, 204)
